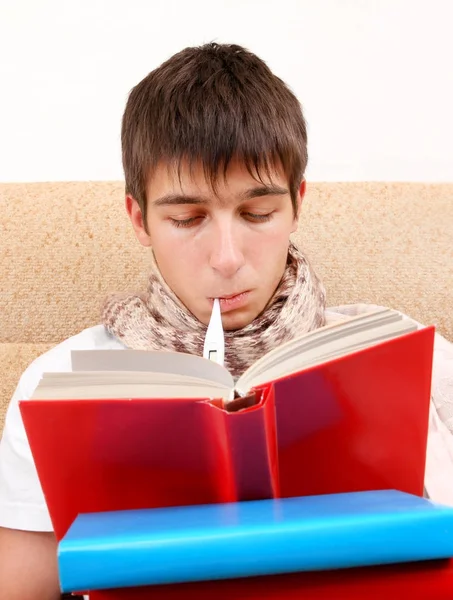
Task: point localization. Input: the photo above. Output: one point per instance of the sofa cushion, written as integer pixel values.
(64, 246)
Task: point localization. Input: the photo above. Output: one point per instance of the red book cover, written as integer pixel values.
(355, 423)
(425, 580)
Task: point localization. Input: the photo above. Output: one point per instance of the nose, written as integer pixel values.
(226, 255)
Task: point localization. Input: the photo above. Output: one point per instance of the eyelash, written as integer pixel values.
(260, 218)
(254, 218)
(183, 222)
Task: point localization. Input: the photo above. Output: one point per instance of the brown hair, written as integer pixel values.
(210, 104)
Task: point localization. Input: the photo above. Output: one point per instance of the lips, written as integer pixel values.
(233, 301)
(229, 296)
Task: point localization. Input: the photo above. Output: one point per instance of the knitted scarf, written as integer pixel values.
(157, 319)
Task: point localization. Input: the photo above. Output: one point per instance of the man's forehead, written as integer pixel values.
(171, 185)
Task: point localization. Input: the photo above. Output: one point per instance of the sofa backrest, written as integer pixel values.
(64, 246)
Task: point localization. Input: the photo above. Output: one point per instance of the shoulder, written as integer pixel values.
(58, 358)
(22, 503)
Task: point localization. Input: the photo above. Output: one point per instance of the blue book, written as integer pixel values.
(218, 541)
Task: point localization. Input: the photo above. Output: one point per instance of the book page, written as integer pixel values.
(178, 363)
(324, 344)
(124, 384)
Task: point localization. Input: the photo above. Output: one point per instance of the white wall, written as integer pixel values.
(375, 79)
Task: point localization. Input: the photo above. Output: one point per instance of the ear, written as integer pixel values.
(299, 199)
(136, 217)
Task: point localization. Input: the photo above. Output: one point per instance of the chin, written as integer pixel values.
(237, 320)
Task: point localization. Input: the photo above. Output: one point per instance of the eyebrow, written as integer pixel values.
(255, 192)
(265, 190)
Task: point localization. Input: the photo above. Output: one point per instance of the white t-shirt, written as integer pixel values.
(22, 503)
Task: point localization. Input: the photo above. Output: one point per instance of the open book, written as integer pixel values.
(136, 373)
(341, 409)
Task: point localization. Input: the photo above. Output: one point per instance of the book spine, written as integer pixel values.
(252, 444)
(220, 463)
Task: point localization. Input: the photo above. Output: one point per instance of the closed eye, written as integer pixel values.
(249, 216)
(185, 222)
(257, 218)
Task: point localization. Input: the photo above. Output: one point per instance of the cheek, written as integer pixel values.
(178, 258)
(270, 248)
(271, 243)
(267, 260)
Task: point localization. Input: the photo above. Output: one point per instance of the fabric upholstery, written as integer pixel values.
(64, 246)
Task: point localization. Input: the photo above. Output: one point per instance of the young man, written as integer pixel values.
(214, 153)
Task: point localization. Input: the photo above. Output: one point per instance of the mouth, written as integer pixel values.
(232, 301)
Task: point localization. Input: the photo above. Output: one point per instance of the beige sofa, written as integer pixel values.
(63, 246)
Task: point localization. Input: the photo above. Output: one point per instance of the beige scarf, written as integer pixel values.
(157, 320)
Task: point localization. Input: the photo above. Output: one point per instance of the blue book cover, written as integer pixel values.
(219, 541)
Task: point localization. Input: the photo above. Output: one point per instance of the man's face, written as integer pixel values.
(231, 245)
